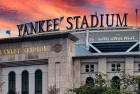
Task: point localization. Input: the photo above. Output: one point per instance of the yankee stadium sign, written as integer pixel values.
(76, 22)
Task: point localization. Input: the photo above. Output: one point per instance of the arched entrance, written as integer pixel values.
(115, 82)
(89, 80)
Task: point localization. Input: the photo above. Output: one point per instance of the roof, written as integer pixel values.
(42, 36)
(117, 54)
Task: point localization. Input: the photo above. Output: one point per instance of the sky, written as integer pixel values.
(15, 12)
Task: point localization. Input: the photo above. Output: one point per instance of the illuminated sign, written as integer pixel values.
(73, 23)
(15, 51)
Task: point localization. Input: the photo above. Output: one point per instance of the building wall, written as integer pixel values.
(60, 66)
(128, 65)
(18, 71)
(62, 70)
(63, 62)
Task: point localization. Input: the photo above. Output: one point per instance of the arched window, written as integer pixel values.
(38, 82)
(116, 82)
(89, 80)
(25, 82)
(12, 83)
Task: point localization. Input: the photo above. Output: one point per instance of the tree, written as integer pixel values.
(1, 84)
(53, 90)
(126, 84)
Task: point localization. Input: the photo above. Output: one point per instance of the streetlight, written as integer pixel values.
(136, 16)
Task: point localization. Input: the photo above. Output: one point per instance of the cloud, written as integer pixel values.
(13, 12)
(121, 7)
(74, 3)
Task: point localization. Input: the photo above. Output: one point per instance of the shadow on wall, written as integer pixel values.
(81, 50)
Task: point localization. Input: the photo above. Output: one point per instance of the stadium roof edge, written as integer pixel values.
(41, 36)
(117, 54)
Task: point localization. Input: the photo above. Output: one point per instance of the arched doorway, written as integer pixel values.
(138, 90)
(89, 80)
(12, 83)
(115, 82)
(25, 82)
(38, 82)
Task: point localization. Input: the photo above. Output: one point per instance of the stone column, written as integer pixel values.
(45, 80)
(102, 65)
(129, 65)
(77, 73)
(18, 83)
(31, 83)
(60, 72)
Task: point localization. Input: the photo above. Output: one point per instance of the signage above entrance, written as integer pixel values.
(101, 37)
(76, 22)
(15, 51)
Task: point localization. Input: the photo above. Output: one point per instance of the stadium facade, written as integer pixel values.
(30, 64)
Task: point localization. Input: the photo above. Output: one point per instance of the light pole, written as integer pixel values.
(136, 16)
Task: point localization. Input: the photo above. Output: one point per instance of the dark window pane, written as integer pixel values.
(87, 66)
(91, 70)
(87, 70)
(38, 82)
(25, 82)
(12, 82)
(118, 65)
(113, 65)
(139, 65)
(113, 69)
(118, 69)
(91, 66)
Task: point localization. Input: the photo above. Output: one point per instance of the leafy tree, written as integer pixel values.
(53, 90)
(1, 84)
(126, 84)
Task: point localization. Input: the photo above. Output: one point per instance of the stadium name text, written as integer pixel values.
(15, 51)
(76, 22)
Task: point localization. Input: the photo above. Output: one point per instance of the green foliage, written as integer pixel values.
(127, 83)
(53, 90)
(85, 89)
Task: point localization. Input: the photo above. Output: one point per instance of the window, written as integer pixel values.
(38, 82)
(89, 80)
(113, 67)
(89, 68)
(116, 67)
(12, 83)
(25, 82)
(139, 67)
